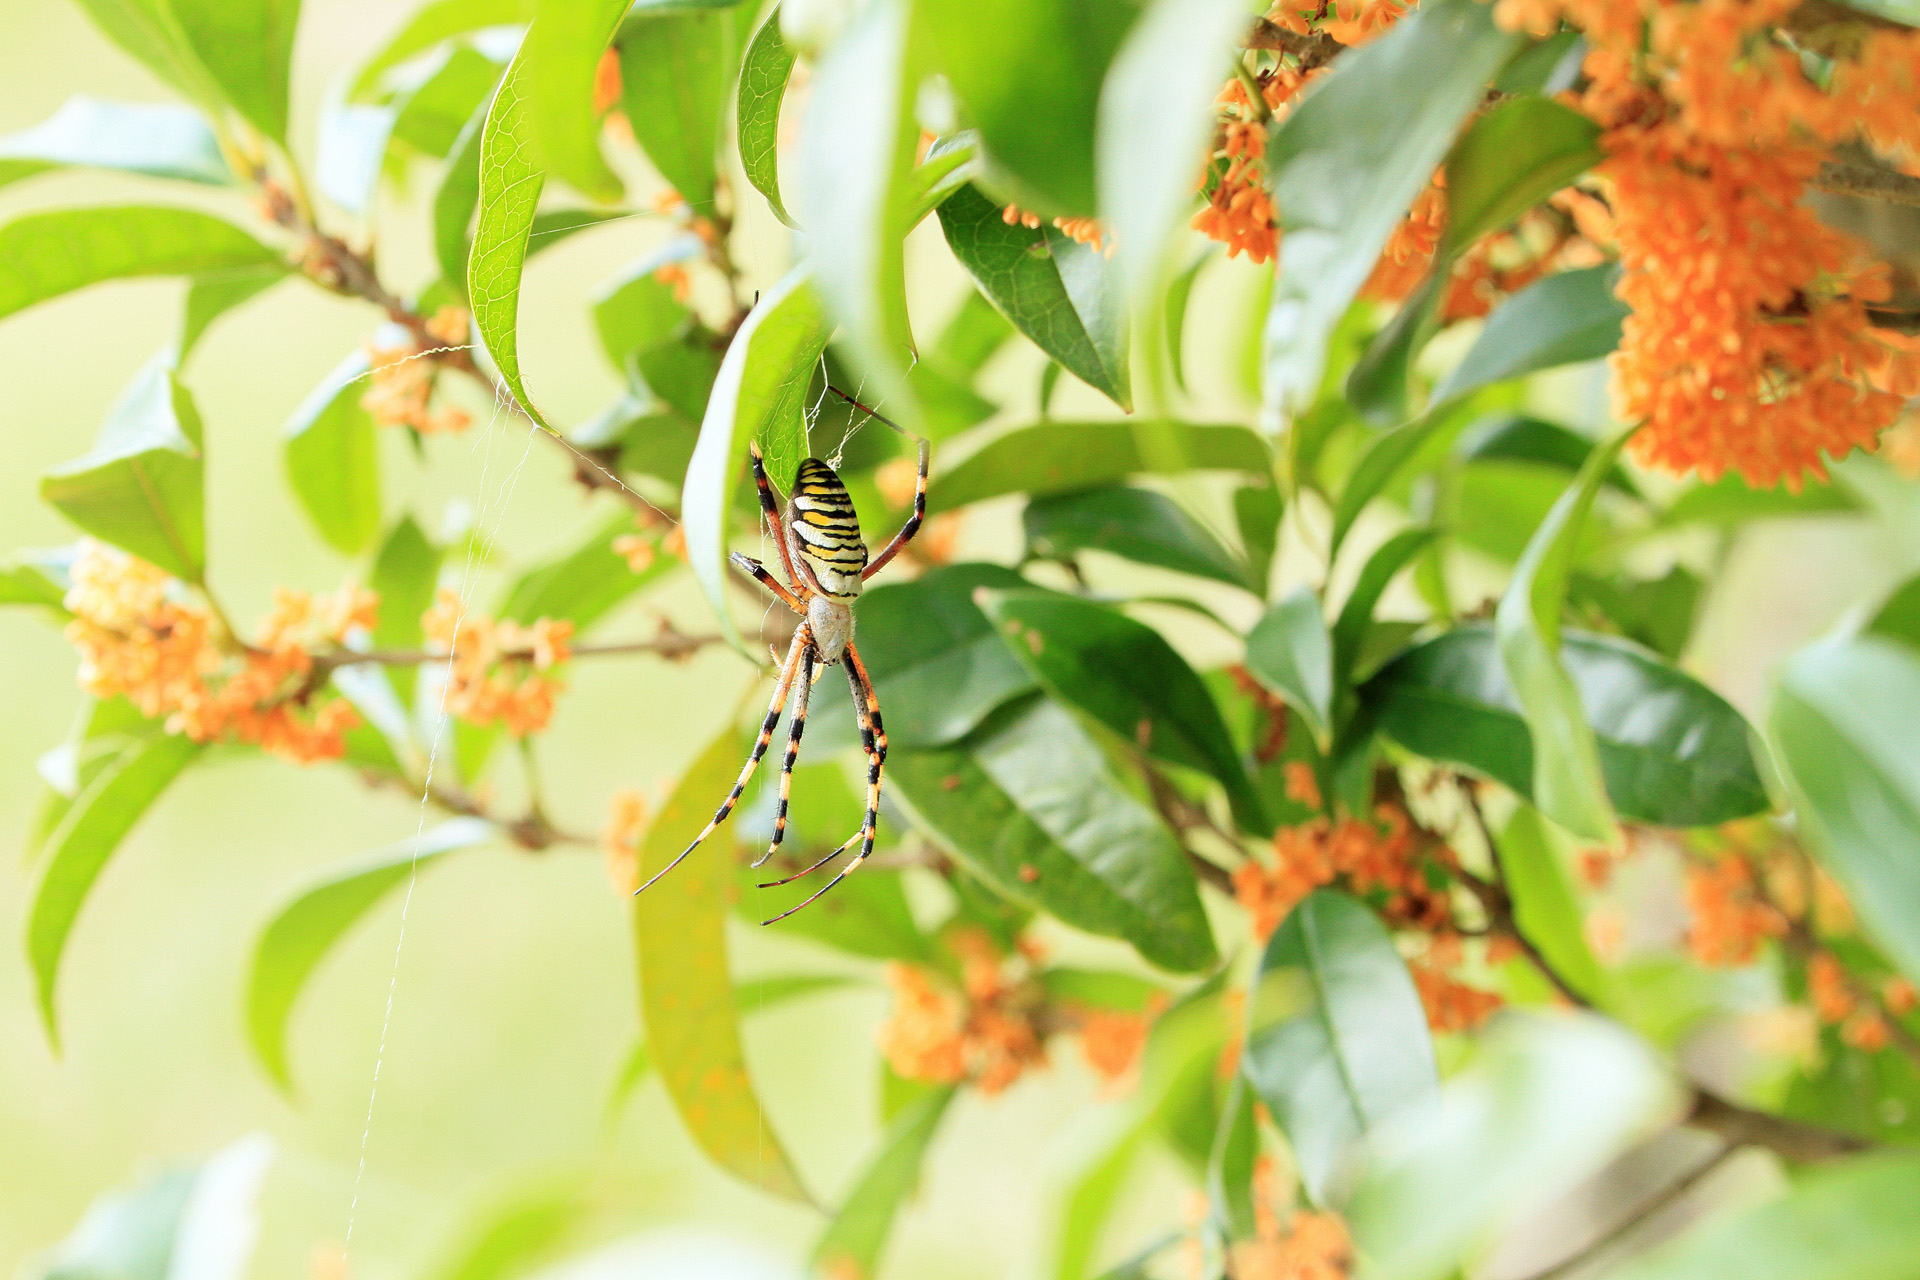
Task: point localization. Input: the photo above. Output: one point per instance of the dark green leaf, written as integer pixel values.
(682, 373)
(1356, 615)
(1059, 293)
(1672, 751)
(140, 488)
(246, 46)
(1513, 157)
(1515, 437)
(1028, 802)
(584, 584)
(1564, 319)
(1347, 162)
(1137, 524)
(316, 917)
(1655, 612)
(214, 293)
(1545, 907)
(676, 73)
(1898, 617)
(159, 140)
(1842, 724)
(333, 459)
(1346, 1053)
(854, 1239)
(92, 827)
(1060, 457)
(43, 255)
(972, 335)
(554, 72)
(1124, 675)
(764, 73)
(1291, 651)
(1567, 782)
(1257, 509)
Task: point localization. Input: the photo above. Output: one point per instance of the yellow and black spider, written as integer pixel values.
(827, 565)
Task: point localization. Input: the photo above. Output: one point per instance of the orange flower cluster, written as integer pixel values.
(1837, 1003)
(1409, 252)
(496, 672)
(640, 549)
(620, 839)
(1750, 347)
(1311, 1246)
(1087, 231)
(401, 382)
(1366, 857)
(1111, 1040)
(1451, 1005)
(1730, 915)
(1239, 211)
(141, 636)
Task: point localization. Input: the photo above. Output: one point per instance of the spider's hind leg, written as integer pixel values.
(797, 725)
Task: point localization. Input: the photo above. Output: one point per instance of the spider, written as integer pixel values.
(827, 565)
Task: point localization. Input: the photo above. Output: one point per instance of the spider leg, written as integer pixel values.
(802, 647)
(868, 707)
(748, 565)
(912, 526)
(770, 507)
(867, 741)
(797, 725)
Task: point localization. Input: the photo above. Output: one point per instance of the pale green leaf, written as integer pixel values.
(333, 458)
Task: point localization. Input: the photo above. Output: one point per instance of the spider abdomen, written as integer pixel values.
(826, 532)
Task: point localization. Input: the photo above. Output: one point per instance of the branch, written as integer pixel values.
(1314, 49)
(668, 644)
(1867, 182)
(1652, 1205)
(1790, 1139)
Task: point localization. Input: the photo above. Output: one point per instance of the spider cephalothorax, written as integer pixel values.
(827, 565)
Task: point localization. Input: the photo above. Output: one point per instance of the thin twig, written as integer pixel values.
(668, 644)
(1661, 1199)
(1313, 49)
(1868, 183)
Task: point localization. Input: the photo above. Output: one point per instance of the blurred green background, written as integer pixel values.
(512, 1000)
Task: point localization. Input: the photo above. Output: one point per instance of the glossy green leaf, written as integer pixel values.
(1516, 437)
(156, 140)
(1258, 510)
(214, 293)
(1513, 157)
(1347, 162)
(584, 584)
(1842, 728)
(1090, 1200)
(1029, 74)
(1851, 1221)
(1564, 319)
(1898, 617)
(1656, 612)
(759, 394)
(1547, 1102)
(429, 25)
(764, 73)
(554, 72)
(1386, 457)
(854, 1239)
(43, 255)
(246, 47)
(333, 458)
(457, 196)
(1124, 675)
(1291, 651)
(141, 486)
(93, 826)
(1730, 500)
(430, 116)
(1356, 614)
(634, 310)
(317, 916)
(687, 1000)
(1028, 802)
(868, 915)
(1567, 782)
(1061, 294)
(1545, 906)
(509, 191)
(1354, 1056)
(677, 68)
(1061, 457)
(1546, 67)
(1672, 751)
(1137, 524)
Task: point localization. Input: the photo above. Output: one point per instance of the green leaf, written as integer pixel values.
(1356, 615)
(676, 72)
(1090, 1200)
(1291, 651)
(140, 487)
(333, 458)
(43, 255)
(633, 310)
(405, 573)
(554, 73)
(1061, 294)
(214, 293)
(1028, 73)
(430, 116)
(25, 579)
(455, 199)
(1515, 437)
(687, 999)
(1388, 455)
(1842, 726)
(318, 915)
(1179, 295)
(157, 140)
(1124, 675)
(1511, 159)
(1672, 751)
(507, 1238)
(1730, 500)
(1546, 67)
(1258, 510)
(1567, 783)
(1844, 1221)
(1061, 457)
(1137, 524)
(1545, 906)
(681, 371)
(147, 30)
(764, 73)
(758, 394)
(509, 191)
(1347, 162)
(853, 1241)
(1656, 612)
(1355, 1055)
(432, 23)
(1898, 617)
(93, 827)
(198, 1221)
(585, 584)
(1547, 1102)
(246, 46)
(1028, 802)
(1564, 319)
(972, 335)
